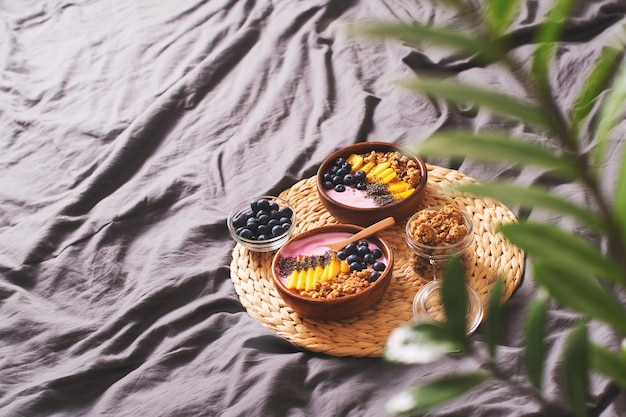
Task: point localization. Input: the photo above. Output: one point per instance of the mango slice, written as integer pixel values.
(367, 167)
(301, 282)
(356, 161)
(380, 168)
(398, 186)
(404, 194)
(309, 282)
(292, 281)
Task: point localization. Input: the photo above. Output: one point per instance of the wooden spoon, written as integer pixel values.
(368, 231)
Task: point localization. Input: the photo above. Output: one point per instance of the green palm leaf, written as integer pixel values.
(424, 397)
(599, 75)
(613, 110)
(571, 287)
(454, 299)
(499, 103)
(534, 338)
(534, 196)
(493, 323)
(495, 147)
(549, 32)
(619, 204)
(608, 363)
(499, 14)
(548, 242)
(417, 33)
(576, 370)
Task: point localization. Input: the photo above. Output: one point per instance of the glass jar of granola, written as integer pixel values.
(435, 235)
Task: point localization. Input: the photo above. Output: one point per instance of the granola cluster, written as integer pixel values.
(442, 227)
(344, 284)
(406, 168)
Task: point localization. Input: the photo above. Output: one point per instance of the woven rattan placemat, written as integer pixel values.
(366, 334)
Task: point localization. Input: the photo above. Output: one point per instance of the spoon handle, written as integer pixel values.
(368, 231)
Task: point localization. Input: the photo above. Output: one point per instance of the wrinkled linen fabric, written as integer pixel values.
(128, 131)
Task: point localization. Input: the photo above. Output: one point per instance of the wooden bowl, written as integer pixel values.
(358, 213)
(310, 243)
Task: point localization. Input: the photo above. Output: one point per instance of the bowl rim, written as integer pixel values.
(331, 228)
(454, 248)
(346, 150)
(241, 207)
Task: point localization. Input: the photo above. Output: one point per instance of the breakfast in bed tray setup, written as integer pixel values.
(347, 301)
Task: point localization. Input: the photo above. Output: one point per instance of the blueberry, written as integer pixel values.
(369, 258)
(342, 255)
(379, 266)
(362, 251)
(246, 234)
(263, 204)
(333, 170)
(263, 219)
(286, 212)
(377, 253)
(362, 242)
(340, 188)
(328, 185)
(360, 175)
(274, 207)
(327, 177)
(374, 276)
(275, 214)
(284, 220)
(340, 161)
(277, 230)
(361, 186)
(263, 237)
(252, 224)
(342, 172)
(350, 248)
(263, 229)
(240, 220)
(254, 205)
(346, 166)
(348, 179)
(355, 266)
(353, 258)
(272, 223)
(337, 179)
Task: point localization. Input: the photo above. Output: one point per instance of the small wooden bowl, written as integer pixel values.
(335, 308)
(365, 216)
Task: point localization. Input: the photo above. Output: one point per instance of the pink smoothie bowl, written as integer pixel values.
(354, 206)
(311, 243)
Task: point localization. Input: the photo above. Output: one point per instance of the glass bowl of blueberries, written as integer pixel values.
(262, 224)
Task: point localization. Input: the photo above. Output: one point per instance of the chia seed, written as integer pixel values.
(287, 265)
(379, 192)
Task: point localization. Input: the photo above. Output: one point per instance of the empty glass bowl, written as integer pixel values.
(428, 306)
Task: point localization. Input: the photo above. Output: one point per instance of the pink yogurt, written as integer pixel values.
(353, 198)
(314, 246)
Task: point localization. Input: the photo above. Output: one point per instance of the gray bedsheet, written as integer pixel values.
(128, 129)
